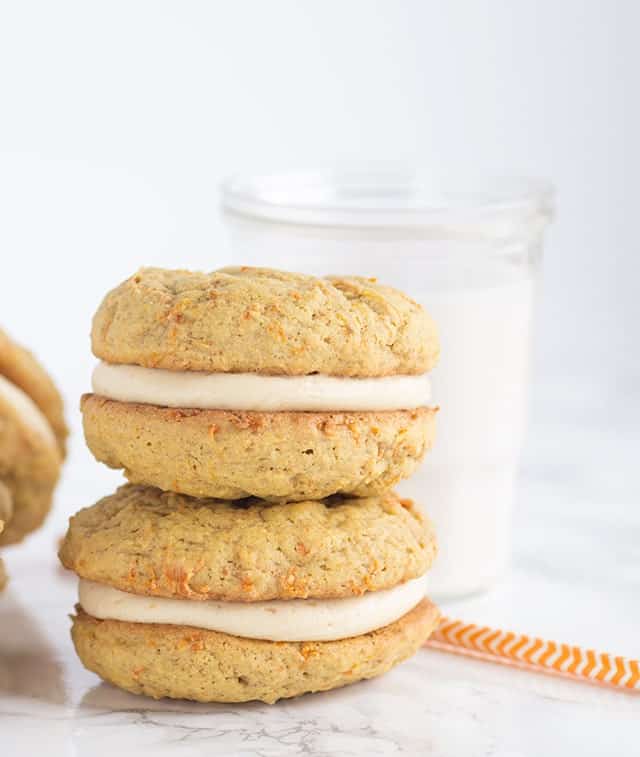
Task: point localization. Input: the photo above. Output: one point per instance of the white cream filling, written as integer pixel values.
(274, 620)
(250, 391)
(29, 412)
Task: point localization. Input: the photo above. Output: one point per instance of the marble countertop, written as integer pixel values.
(575, 578)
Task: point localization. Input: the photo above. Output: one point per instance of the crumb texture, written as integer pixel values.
(260, 320)
(150, 542)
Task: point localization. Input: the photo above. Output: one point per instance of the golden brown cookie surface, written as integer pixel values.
(207, 666)
(275, 456)
(30, 462)
(158, 543)
(23, 370)
(260, 320)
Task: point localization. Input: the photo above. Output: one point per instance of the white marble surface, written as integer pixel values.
(576, 578)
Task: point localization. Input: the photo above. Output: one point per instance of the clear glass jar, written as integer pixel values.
(472, 258)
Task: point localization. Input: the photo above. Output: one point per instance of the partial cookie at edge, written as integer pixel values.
(157, 543)
(29, 470)
(21, 367)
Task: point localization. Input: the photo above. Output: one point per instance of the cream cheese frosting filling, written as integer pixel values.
(272, 620)
(29, 412)
(251, 391)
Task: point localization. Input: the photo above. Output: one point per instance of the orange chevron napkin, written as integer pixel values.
(536, 654)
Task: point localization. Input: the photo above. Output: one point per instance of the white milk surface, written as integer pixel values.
(482, 299)
(467, 481)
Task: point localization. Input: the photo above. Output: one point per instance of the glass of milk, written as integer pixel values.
(471, 256)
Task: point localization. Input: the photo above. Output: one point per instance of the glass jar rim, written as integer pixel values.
(396, 198)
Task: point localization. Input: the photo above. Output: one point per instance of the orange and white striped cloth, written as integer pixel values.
(536, 654)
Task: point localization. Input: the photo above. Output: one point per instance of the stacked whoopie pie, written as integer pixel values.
(32, 442)
(262, 418)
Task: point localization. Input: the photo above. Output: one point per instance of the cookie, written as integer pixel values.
(6, 506)
(149, 542)
(275, 456)
(254, 382)
(30, 461)
(22, 369)
(207, 666)
(263, 321)
(232, 601)
(213, 600)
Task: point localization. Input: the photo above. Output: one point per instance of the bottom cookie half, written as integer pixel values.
(189, 663)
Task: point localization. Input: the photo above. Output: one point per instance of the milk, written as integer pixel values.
(471, 257)
(466, 483)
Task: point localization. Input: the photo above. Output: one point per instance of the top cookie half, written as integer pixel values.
(258, 320)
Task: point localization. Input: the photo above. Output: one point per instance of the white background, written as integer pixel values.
(119, 119)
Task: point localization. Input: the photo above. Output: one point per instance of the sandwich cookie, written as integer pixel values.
(232, 601)
(258, 382)
(30, 461)
(21, 368)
